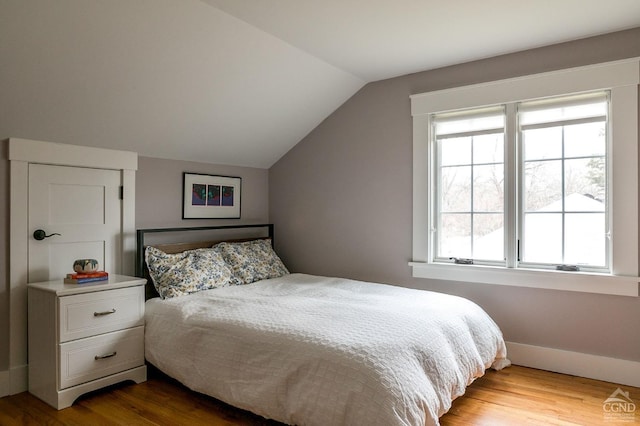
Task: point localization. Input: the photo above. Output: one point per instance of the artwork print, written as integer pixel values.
(210, 196)
(227, 195)
(198, 196)
(213, 195)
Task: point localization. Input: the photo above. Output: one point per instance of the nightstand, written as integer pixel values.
(83, 337)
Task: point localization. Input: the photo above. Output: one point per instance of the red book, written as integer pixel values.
(82, 275)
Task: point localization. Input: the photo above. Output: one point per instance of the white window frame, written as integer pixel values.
(621, 78)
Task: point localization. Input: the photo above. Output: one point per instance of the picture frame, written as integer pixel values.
(211, 196)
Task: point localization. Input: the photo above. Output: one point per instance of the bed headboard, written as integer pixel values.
(173, 247)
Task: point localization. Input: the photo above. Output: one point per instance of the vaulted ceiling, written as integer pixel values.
(240, 82)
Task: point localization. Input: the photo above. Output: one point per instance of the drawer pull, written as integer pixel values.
(98, 357)
(103, 313)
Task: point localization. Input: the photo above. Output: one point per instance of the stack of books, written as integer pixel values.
(86, 277)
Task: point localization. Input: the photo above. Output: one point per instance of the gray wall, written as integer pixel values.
(341, 201)
(159, 193)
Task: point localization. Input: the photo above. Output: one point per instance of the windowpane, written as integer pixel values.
(542, 238)
(455, 235)
(455, 189)
(585, 140)
(543, 186)
(585, 184)
(488, 236)
(540, 144)
(488, 188)
(585, 239)
(455, 151)
(488, 148)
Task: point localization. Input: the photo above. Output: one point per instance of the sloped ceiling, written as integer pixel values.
(379, 39)
(241, 82)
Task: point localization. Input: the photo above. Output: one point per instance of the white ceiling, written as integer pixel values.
(241, 82)
(378, 39)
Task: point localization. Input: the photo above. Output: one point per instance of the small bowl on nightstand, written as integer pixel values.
(85, 265)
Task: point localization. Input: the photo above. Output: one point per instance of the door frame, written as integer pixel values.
(23, 152)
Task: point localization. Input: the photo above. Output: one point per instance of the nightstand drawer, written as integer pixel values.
(89, 314)
(95, 357)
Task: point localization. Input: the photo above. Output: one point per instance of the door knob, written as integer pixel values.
(40, 235)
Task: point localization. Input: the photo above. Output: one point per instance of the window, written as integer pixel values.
(561, 203)
(469, 157)
(530, 181)
(563, 210)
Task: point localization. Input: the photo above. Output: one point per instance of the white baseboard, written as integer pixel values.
(14, 380)
(597, 367)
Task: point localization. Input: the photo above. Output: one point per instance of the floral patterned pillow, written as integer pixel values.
(187, 272)
(252, 260)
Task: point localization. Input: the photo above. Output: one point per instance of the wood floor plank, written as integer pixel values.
(513, 396)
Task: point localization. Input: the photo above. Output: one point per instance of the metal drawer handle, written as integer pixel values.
(100, 314)
(97, 357)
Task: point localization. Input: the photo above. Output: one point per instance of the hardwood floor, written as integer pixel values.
(514, 396)
(525, 396)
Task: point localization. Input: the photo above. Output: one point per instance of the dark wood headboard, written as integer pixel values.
(141, 269)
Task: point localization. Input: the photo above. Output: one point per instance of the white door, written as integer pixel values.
(83, 206)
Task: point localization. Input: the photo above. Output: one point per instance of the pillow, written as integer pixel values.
(187, 272)
(252, 260)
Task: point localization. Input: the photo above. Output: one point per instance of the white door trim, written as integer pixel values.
(22, 152)
(71, 155)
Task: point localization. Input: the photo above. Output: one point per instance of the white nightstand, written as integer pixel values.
(83, 337)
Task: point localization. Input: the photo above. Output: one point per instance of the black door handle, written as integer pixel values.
(40, 235)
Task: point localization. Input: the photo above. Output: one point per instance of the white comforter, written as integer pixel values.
(311, 350)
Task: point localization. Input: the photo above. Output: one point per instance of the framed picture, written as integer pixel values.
(210, 196)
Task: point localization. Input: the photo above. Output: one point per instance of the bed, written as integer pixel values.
(311, 350)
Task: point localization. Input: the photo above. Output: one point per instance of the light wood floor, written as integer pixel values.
(514, 396)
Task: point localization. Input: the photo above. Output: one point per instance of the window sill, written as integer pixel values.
(554, 280)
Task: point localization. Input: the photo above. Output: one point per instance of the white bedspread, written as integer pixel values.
(311, 350)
